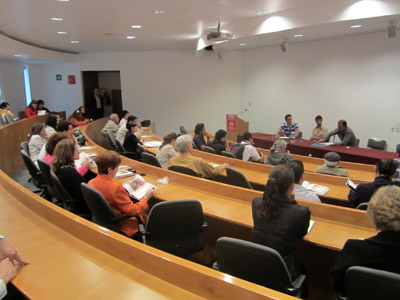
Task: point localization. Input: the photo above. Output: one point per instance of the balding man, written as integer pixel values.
(111, 125)
(345, 134)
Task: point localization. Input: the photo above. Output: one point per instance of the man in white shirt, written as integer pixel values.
(300, 192)
(250, 153)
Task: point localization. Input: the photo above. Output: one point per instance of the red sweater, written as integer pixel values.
(29, 112)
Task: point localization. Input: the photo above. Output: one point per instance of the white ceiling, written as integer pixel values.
(103, 25)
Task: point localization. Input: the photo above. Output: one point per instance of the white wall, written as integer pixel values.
(12, 80)
(355, 78)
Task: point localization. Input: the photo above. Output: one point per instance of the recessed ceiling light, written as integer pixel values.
(131, 37)
(136, 26)
(61, 32)
(262, 12)
(212, 26)
(297, 35)
(242, 44)
(159, 12)
(18, 55)
(356, 26)
(56, 19)
(63, 0)
(74, 42)
(192, 36)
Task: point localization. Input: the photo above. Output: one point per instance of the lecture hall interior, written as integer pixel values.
(183, 62)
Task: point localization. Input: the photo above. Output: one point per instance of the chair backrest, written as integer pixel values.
(253, 262)
(183, 170)
(228, 154)
(362, 206)
(357, 142)
(195, 146)
(62, 194)
(150, 159)
(45, 169)
(113, 140)
(300, 135)
(398, 148)
(237, 178)
(102, 212)
(375, 143)
(8, 118)
(209, 150)
(120, 148)
(176, 227)
(183, 130)
(367, 284)
(33, 170)
(25, 146)
(141, 149)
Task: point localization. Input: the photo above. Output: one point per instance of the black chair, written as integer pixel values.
(8, 118)
(209, 150)
(113, 140)
(36, 176)
(398, 148)
(258, 264)
(375, 143)
(184, 170)
(195, 146)
(141, 149)
(300, 135)
(62, 195)
(150, 159)
(25, 146)
(362, 206)
(102, 213)
(121, 150)
(237, 178)
(370, 284)
(45, 169)
(357, 142)
(228, 154)
(183, 130)
(176, 227)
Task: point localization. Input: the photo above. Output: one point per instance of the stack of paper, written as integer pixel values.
(153, 144)
(316, 188)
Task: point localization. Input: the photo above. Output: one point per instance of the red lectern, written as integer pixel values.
(235, 126)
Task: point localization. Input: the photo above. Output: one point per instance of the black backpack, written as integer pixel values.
(238, 150)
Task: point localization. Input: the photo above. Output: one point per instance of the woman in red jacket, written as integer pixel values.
(75, 119)
(31, 110)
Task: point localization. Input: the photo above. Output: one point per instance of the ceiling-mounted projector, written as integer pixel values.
(219, 36)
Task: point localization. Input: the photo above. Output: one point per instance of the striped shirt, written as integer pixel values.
(288, 130)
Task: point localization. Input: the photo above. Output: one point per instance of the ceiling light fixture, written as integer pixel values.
(262, 12)
(63, 0)
(61, 32)
(74, 42)
(56, 19)
(159, 12)
(212, 26)
(356, 26)
(136, 26)
(242, 44)
(18, 55)
(131, 37)
(192, 36)
(297, 35)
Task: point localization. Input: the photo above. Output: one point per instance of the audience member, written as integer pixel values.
(51, 124)
(82, 110)
(166, 150)
(278, 154)
(319, 132)
(115, 194)
(75, 119)
(10, 262)
(111, 125)
(385, 170)
(279, 222)
(37, 140)
(64, 155)
(123, 130)
(300, 192)
(381, 251)
(123, 118)
(396, 177)
(41, 106)
(5, 109)
(96, 105)
(219, 143)
(345, 134)
(51, 145)
(131, 141)
(250, 153)
(288, 128)
(66, 128)
(186, 159)
(199, 133)
(331, 165)
(31, 110)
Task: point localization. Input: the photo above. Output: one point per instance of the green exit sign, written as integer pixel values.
(58, 77)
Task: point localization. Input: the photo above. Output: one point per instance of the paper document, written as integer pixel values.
(153, 144)
(312, 222)
(137, 187)
(322, 144)
(315, 188)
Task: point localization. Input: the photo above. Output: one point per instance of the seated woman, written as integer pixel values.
(51, 145)
(37, 141)
(279, 222)
(219, 143)
(75, 119)
(82, 110)
(131, 141)
(381, 251)
(31, 110)
(51, 124)
(64, 155)
(278, 154)
(199, 133)
(166, 150)
(41, 106)
(115, 194)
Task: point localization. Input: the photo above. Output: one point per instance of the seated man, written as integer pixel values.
(319, 132)
(345, 134)
(250, 153)
(219, 143)
(331, 165)
(111, 125)
(300, 192)
(288, 128)
(199, 133)
(186, 159)
(385, 170)
(278, 154)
